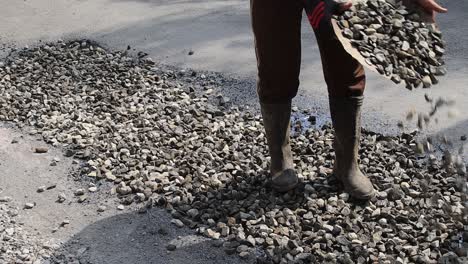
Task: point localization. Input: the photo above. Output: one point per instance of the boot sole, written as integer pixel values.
(362, 197)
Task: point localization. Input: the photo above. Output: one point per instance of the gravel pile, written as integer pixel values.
(396, 41)
(17, 245)
(163, 142)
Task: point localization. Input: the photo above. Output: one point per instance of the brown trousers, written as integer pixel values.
(277, 30)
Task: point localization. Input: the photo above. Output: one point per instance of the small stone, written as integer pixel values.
(41, 189)
(396, 79)
(245, 216)
(101, 208)
(177, 223)
(79, 192)
(120, 207)
(29, 206)
(242, 248)
(92, 189)
(427, 82)
(405, 46)
(82, 199)
(192, 213)
(41, 150)
(231, 221)
(328, 228)
(376, 212)
(348, 33)
(337, 230)
(123, 189)
(51, 186)
(251, 241)
(383, 222)
(69, 153)
(370, 31)
(244, 255)
(397, 24)
(380, 58)
(61, 198)
(171, 247)
(212, 234)
(346, 211)
(463, 138)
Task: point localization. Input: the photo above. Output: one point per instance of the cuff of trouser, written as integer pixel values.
(283, 99)
(277, 105)
(354, 100)
(272, 91)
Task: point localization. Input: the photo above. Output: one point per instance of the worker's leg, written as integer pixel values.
(277, 30)
(345, 80)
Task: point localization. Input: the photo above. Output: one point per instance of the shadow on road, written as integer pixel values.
(140, 239)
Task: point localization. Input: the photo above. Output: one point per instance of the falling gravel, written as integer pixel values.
(181, 145)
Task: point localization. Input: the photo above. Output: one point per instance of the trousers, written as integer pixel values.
(276, 26)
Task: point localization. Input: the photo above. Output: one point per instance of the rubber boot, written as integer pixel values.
(276, 120)
(346, 118)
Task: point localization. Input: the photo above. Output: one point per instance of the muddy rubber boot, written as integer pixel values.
(346, 118)
(276, 120)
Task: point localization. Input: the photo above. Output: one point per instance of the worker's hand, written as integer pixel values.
(428, 7)
(319, 11)
(336, 7)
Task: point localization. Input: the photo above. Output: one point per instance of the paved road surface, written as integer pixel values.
(220, 35)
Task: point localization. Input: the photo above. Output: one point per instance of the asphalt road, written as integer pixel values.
(219, 33)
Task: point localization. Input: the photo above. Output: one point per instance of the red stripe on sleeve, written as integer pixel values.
(316, 9)
(317, 21)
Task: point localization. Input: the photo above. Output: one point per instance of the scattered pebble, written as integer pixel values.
(41, 150)
(29, 205)
(82, 199)
(177, 222)
(171, 247)
(102, 208)
(64, 223)
(79, 192)
(61, 198)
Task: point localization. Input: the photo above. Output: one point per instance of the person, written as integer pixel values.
(277, 35)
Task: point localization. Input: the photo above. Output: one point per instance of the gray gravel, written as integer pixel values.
(396, 41)
(18, 245)
(166, 142)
